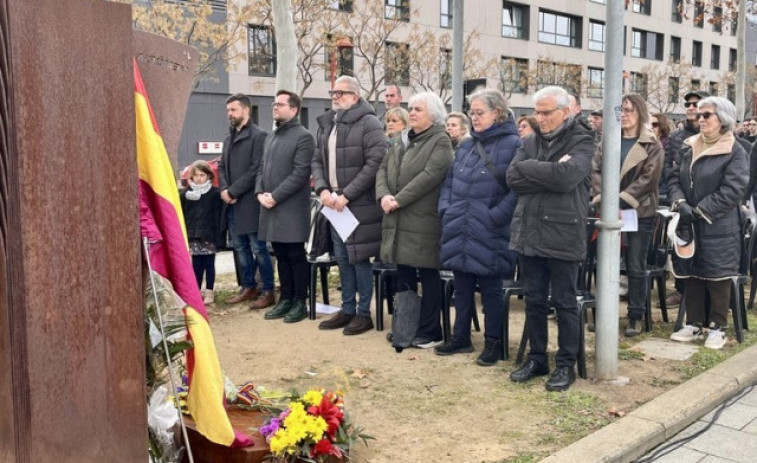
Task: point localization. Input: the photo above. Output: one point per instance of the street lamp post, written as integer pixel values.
(342, 43)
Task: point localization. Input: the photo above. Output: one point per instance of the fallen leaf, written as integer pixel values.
(615, 412)
(359, 374)
(413, 357)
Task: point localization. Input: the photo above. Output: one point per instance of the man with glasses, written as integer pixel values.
(549, 173)
(283, 191)
(673, 160)
(350, 147)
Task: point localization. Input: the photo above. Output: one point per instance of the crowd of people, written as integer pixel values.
(478, 194)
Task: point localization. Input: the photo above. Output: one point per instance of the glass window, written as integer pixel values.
(646, 44)
(261, 51)
(675, 49)
(445, 16)
(445, 68)
(514, 20)
(638, 43)
(675, 13)
(696, 84)
(732, 57)
(513, 74)
(699, 15)
(696, 53)
(341, 5)
(559, 29)
(564, 75)
(715, 57)
(731, 93)
(642, 6)
(344, 58)
(714, 88)
(674, 88)
(717, 19)
(596, 36)
(397, 64)
(639, 83)
(596, 82)
(397, 9)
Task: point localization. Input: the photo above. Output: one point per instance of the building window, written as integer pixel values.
(696, 85)
(514, 20)
(596, 82)
(675, 49)
(255, 114)
(715, 57)
(646, 44)
(513, 74)
(674, 88)
(714, 91)
(559, 29)
(596, 36)
(696, 53)
(397, 64)
(445, 17)
(397, 9)
(734, 26)
(341, 5)
(345, 58)
(699, 15)
(564, 75)
(731, 93)
(717, 19)
(642, 6)
(732, 60)
(261, 51)
(675, 13)
(639, 83)
(445, 68)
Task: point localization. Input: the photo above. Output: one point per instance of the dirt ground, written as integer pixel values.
(422, 407)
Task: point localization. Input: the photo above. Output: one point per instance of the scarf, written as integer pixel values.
(195, 191)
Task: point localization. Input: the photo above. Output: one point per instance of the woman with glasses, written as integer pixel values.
(706, 191)
(476, 208)
(407, 188)
(641, 162)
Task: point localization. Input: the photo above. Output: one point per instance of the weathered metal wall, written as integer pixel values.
(71, 340)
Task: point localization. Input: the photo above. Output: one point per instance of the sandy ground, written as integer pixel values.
(421, 407)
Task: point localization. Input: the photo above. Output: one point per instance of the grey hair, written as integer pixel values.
(725, 110)
(352, 84)
(434, 105)
(494, 100)
(560, 95)
(465, 122)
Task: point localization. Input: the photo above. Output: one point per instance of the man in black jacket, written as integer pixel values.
(240, 161)
(550, 173)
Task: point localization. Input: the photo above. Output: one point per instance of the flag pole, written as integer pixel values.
(146, 246)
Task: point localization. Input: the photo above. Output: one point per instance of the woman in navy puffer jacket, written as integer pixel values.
(476, 208)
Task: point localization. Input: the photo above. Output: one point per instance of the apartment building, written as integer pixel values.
(669, 47)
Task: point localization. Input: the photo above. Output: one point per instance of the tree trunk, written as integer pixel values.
(286, 46)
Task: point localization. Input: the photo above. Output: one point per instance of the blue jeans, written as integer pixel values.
(355, 278)
(465, 305)
(253, 256)
(636, 268)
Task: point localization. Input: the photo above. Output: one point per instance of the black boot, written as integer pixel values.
(491, 353)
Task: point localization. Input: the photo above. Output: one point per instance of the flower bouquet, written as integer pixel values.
(314, 428)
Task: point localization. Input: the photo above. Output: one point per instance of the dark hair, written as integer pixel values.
(531, 121)
(664, 122)
(202, 166)
(243, 99)
(294, 99)
(641, 107)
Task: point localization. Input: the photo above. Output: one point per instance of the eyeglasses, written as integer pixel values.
(339, 93)
(705, 115)
(655, 124)
(545, 113)
(627, 110)
(478, 113)
(279, 105)
(689, 104)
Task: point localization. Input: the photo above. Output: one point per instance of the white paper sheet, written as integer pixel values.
(344, 222)
(326, 309)
(630, 220)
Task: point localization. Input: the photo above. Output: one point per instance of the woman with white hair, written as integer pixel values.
(706, 191)
(407, 187)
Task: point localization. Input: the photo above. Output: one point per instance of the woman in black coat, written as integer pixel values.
(706, 191)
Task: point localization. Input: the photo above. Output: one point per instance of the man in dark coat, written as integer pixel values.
(549, 174)
(283, 189)
(240, 162)
(351, 145)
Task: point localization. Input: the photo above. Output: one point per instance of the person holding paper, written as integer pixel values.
(350, 147)
(641, 163)
(407, 187)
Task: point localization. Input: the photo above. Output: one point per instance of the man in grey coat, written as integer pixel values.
(283, 190)
(240, 161)
(351, 145)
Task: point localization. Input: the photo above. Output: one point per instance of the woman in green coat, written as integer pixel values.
(407, 186)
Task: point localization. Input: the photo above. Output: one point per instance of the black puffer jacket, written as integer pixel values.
(714, 182)
(360, 148)
(553, 197)
(675, 147)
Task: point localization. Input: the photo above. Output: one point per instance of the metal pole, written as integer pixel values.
(457, 55)
(741, 61)
(608, 251)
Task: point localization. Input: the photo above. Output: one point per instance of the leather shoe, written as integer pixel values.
(561, 379)
(298, 312)
(247, 294)
(340, 320)
(529, 371)
(359, 325)
(266, 299)
(281, 309)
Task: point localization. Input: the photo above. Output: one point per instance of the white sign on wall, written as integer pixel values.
(209, 147)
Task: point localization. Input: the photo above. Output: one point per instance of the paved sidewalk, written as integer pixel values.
(686, 408)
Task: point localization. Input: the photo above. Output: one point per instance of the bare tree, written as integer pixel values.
(666, 84)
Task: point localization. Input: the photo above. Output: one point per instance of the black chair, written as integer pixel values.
(383, 277)
(448, 292)
(324, 266)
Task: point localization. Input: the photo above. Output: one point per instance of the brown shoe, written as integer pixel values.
(674, 300)
(359, 325)
(265, 300)
(340, 320)
(247, 294)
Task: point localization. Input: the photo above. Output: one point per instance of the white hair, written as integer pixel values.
(434, 105)
(352, 84)
(561, 96)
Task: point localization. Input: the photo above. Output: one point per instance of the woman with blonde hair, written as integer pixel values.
(457, 127)
(395, 120)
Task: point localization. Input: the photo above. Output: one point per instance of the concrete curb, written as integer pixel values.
(653, 423)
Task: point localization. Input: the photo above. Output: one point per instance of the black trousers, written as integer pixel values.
(205, 265)
(431, 300)
(720, 300)
(294, 273)
(539, 274)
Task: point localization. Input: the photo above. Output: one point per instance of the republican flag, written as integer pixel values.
(162, 222)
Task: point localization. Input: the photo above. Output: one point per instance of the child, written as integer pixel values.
(201, 204)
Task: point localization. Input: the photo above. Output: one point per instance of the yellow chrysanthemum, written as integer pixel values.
(313, 397)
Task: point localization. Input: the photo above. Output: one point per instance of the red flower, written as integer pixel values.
(323, 447)
(329, 412)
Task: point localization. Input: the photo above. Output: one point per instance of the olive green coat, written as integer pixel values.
(413, 172)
